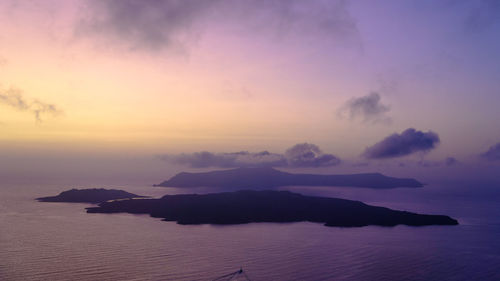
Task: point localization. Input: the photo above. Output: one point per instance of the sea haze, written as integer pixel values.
(59, 241)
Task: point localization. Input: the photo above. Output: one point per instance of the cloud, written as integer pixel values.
(309, 155)
(408, 142)
(492, 154)
(149, 24)
(451, 161)
(206, 159)
(448, 162)
(300, 155)
(14, 99)
(156, 24)
(368, 109)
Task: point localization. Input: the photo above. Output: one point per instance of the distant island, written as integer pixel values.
(267, 206)
(94, 195)
(264, 178)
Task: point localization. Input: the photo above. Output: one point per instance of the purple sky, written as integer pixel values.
(87, 82)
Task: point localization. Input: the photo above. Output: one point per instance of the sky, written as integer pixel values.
(332, 86)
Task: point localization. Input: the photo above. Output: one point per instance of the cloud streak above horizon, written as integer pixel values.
(14, 99)
(406, 143)
(300, 155)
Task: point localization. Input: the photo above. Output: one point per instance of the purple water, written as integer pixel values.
(59, 241)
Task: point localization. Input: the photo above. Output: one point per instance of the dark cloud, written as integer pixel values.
(492, 154)
(309, 155)
(368, 109)
(300, 155)
(406, 143)
(15, 99)
(159, 24)
(151, 24)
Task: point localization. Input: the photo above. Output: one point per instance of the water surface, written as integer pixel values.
(59, 241)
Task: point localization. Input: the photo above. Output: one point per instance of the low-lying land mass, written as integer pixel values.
(267, 206)
(94, 195)
(261, 178)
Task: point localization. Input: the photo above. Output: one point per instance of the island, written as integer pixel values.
(248, 206)
(265, 178)
(93, 195)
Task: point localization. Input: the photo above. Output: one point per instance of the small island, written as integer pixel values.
(265, 178)
(94, 195)
(249, 206)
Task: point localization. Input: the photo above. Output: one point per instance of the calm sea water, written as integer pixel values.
(59, 241)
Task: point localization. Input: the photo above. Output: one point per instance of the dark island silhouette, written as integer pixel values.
(249, 206)
(265, 178)
(94, 195)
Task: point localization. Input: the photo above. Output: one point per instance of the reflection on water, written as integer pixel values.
(59, 241)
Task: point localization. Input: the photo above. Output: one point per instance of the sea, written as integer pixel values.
(60, 241)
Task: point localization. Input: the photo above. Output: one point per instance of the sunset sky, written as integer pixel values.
(165, 79)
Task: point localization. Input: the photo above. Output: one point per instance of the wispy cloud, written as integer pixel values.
(368, 109)
(15, 99)
(397, 145)
(300, 155)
